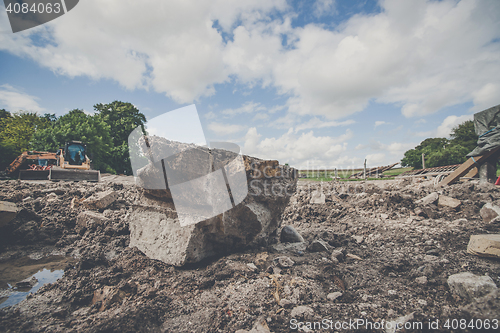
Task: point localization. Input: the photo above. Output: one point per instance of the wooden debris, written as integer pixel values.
(374, 171)
(467, 166)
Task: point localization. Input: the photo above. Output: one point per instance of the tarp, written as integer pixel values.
(487, 127)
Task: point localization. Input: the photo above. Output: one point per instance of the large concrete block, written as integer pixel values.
(155, 226)
(8, 211)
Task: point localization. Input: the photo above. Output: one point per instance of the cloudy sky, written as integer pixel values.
(323, 83)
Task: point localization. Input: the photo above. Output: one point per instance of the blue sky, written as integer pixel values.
(310, 83)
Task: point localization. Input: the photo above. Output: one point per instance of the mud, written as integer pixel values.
(382, 262)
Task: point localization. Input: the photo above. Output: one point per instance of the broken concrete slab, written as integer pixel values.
(487, 245)
(88, 218)
(156, 229)
(8, 211)
(429, 199)
(317, 197)
(489, 212)
(445, 201)
(101, 200)
(470, 286)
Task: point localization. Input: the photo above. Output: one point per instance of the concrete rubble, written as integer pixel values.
(383, 254)
(471, 286)
(485, 245)
(317, 197)
(154, 224)
(489, 212)
(8, 212)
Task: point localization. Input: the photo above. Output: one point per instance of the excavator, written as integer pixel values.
(69, 163)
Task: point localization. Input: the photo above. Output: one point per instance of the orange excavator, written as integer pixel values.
(69, 163)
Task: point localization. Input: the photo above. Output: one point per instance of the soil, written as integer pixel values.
(382, 262)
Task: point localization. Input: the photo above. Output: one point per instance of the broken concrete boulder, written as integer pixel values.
(250, 220)
(101, 200)
(429, 199)
(317, 197)
(470, 286)
(87, 218)
(445, 201)
(485, 245)
(8, 211)
(489, 212)
(290, 235)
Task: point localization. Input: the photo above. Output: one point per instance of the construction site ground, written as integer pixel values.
(372, 254)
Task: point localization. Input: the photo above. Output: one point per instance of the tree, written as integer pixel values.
(16, 134)
(464, 135)
(122, 119)
(78, 126)
(442, 151)
(4, 114)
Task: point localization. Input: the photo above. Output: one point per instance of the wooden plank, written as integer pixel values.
(472, 173)
(467, 166)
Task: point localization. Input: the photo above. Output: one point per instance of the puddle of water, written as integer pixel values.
(43, 268)
(44, 276)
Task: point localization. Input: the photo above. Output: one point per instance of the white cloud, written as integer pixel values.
(14, 100)
(379, 122)
(317, 123)
(421, 55)
(223, 129)
(374, 160)
(449, 123)
(248, 107)
(444, 129)
(261, 116)
(324, 7)
(210, 115)
(294, 149)
(487, 96)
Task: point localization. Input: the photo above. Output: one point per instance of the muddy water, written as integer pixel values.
(38, 271)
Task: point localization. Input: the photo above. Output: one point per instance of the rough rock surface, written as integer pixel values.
(290, 235)
(8, 211)
(155, 228)
(489, 212)
(470, 286)
(111, 287)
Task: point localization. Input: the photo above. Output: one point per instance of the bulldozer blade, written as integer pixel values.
(65, 174)
(34, 174)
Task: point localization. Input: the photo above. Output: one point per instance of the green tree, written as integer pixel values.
(122, 119)
(442, 151)
(464, 135)
(4, 114)
(79, 126)
(16, 134)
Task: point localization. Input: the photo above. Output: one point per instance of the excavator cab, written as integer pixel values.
(73, 163)
(73, 156)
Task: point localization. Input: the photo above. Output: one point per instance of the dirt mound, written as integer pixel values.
(379, 256)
